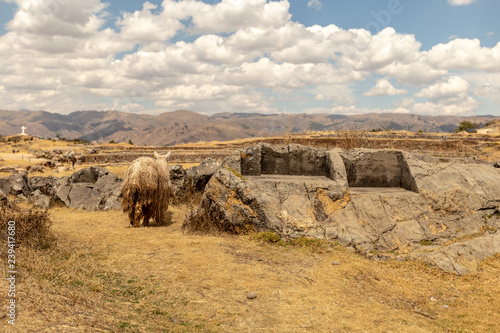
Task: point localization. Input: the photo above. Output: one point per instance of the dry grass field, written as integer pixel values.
(104, 276)
(101, 275)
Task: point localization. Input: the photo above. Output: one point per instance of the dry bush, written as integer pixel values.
(208, 219)
(354, 138)
(32, 228)
(288, 133)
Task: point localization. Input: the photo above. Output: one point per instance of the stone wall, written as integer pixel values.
(293, 159)
(378, 168)
(363, 167)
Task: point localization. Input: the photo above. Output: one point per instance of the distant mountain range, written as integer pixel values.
(184, 126)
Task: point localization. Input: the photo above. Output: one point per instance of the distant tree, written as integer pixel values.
(467, 126)
(112, 141)
(130, 142)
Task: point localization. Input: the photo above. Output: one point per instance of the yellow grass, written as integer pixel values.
(106, 276)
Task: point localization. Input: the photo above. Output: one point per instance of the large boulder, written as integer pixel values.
(40, 200)
(46, 185)
(88, 175)
(383, 203)
(199, 175)
(181, 187)
(16, 184)
(91, 189)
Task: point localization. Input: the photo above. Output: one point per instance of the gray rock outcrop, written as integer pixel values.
(16, 184)
(199, 175)
(46, 185)
(40, 200)
(91, 189)
(384, 203)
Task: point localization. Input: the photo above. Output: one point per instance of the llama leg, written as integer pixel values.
(131, 216)
(147, 215)
(138, 215)
(159, 214)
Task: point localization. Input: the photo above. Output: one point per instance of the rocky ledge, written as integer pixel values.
(384, 203)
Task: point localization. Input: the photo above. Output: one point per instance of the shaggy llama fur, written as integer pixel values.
(147, 189)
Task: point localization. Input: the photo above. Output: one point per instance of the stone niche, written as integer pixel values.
(360, 167)
(378, 168)
(293, 159)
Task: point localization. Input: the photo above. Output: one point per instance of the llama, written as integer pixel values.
(147, 189)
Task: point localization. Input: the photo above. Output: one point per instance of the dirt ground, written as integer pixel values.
(104, 276)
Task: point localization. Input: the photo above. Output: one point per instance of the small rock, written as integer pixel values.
(252, 295)
(335, 263)
(433, 298)
(446, 306)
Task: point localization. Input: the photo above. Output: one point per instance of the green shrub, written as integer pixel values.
(269, 237)
(466, 126)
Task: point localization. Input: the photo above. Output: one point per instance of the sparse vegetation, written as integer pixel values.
(288, 134)
(177, 282)
(80, 141)
(316, 245)
(353, 138)
(31, 228)
(236, 173)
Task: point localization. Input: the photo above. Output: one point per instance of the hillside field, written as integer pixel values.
(101, 275)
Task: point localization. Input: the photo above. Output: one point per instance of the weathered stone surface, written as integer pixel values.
(88, 175)
(272, 201)
(251, 161)
(16, 184)
(455, 187)
(463, 257)
(372, 200)
(11, 170)
(275, 160)
(83, 190)
(306, 161)
(201, 174)
(233, 161)
(40, 200)
(373, 168)
(252, 295)
(46, 185)
(179, 181)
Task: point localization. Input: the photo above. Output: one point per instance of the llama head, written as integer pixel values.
(166, 156)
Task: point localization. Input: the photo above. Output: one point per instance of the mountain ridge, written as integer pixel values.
(185, 126)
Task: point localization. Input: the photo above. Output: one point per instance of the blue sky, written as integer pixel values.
(345, 57)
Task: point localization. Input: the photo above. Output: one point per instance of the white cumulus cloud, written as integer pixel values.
(384, 88)
(452, 87)
(235, 55)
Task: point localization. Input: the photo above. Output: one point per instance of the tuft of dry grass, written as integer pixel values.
(105, 276)
(354, 138)
(31, 227)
